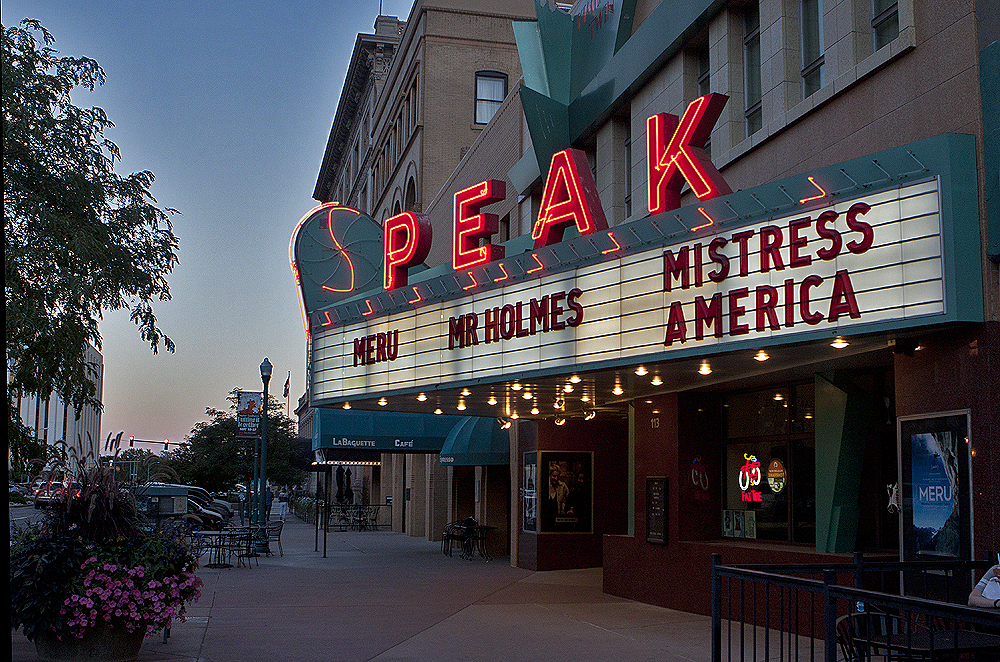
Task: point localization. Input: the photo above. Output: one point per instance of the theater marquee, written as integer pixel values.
(833, 259)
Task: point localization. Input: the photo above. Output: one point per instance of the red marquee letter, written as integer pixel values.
(407, 242)
(570, 197)
(469, 226)
(670, 164)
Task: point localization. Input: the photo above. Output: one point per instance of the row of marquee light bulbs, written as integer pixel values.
(560, 403)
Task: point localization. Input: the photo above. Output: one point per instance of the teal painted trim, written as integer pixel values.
(556, 29)
(625, 23)
(529, 51)
(661, 36)
(960, 230)
(842, 415)
(547, 123)
(597, 34)
(989, 88)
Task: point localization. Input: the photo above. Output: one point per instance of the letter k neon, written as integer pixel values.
(683, 158)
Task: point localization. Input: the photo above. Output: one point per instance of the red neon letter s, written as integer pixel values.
(683, 158)
(469, 226)
(570, 197)
(407, 242)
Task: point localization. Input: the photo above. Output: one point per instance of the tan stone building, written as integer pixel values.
(417, 95)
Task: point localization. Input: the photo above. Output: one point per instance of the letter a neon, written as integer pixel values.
(407, 242)
(683, 158)
(570, 198)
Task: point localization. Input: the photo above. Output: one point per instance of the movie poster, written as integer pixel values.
(934, 472)
(566, 492)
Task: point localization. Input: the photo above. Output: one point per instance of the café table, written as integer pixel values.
(475, 540)
(218, 545)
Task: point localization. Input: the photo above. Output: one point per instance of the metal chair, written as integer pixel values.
(274, 535)
(242, 545)
(452, 532)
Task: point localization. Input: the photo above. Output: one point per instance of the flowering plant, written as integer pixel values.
(112, 592)
(94, 563)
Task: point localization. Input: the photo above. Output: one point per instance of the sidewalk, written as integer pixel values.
(385, 596)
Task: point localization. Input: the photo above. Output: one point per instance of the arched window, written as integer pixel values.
(491, 88)
(410, 200)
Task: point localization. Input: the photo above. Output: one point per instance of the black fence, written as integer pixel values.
(866, 610)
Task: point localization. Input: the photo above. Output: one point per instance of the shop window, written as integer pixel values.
(812, 46)
(885, 22)
(491, 88)
(770, 481)
(751, 66)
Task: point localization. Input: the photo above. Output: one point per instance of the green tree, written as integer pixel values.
(79, 239)
(216, 459)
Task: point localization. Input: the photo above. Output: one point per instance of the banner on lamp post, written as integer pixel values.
(248, 414)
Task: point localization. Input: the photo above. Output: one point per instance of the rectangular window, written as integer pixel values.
(885, 22)
(812, 46)
(704, 73)
(491, 88)
(751, 65)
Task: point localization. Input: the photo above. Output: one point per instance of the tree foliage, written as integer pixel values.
(79, 239)
(216, 459)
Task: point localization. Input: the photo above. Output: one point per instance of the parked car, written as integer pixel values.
(161, 501)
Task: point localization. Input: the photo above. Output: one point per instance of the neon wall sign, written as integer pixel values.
(569, 198)
(750, 478)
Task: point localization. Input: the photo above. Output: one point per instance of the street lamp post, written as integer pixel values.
(265, 377)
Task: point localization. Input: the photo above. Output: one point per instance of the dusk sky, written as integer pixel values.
(230, 105)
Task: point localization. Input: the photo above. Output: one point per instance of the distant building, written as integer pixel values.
(53, 420)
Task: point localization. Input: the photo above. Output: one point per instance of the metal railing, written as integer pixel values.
(850, 611)
(356, 517)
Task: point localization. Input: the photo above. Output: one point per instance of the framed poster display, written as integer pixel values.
(656, 509)
(935, 490)
(566, 492)
(529, 493)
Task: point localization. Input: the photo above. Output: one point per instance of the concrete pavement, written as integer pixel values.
(384, 596)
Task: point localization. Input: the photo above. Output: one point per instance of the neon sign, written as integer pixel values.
(570, 198)
(407, 242)
(749, 478)
(469, 226)
(682, 159)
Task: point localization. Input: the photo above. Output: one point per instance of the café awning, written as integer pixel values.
(476, 441)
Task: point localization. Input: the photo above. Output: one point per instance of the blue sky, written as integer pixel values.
(230, 105)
